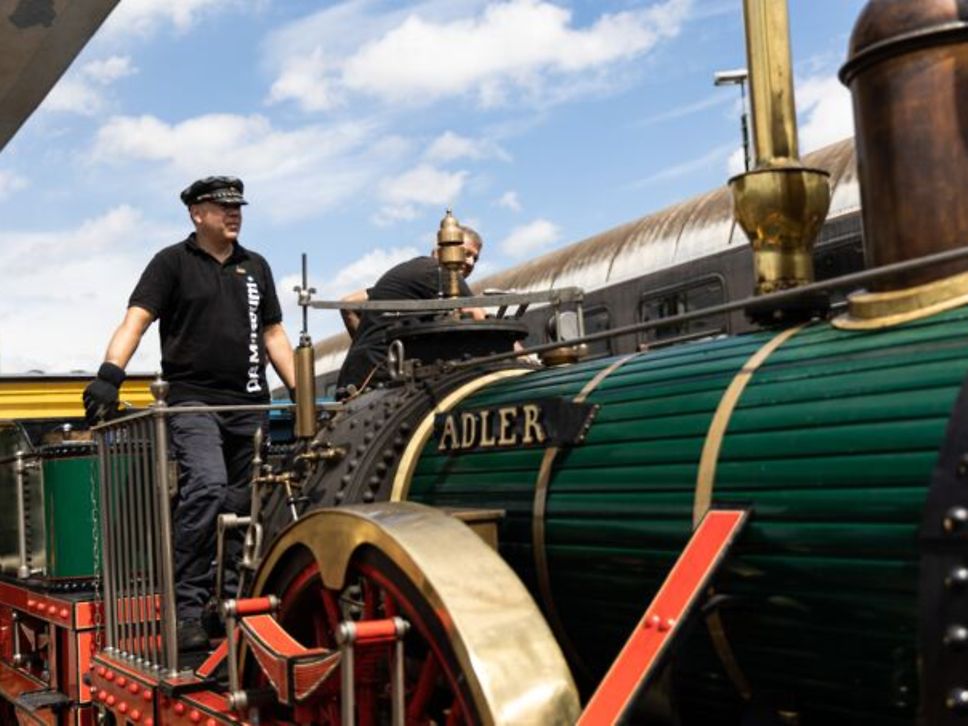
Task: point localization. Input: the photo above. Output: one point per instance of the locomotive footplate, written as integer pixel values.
(46, 642)
(133, 696)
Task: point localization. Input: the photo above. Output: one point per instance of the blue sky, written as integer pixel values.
(356, 124)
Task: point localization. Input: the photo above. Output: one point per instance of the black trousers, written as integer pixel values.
(214, 453)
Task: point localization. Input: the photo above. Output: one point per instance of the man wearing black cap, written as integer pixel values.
(220, 322)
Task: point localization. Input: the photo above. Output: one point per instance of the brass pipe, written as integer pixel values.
(780, 204)
(450, 255)
(771, 82)
(305, 390)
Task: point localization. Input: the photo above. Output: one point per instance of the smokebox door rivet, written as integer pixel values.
(955, 520)
(958, 700)
(963, 465)
(957, 578)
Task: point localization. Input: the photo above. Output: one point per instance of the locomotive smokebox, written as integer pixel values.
(908, 73)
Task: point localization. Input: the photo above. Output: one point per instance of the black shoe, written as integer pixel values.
(212, 622)
(191, 636)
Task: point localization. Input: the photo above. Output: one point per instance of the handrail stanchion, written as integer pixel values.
(107, 564)
(159, 389)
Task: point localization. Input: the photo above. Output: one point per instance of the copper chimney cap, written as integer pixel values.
(883, 25)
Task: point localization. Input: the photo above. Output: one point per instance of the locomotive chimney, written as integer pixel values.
(780, 204)
(908, 73)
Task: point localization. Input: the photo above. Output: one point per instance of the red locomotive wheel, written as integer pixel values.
(376, 589)
(477, 650)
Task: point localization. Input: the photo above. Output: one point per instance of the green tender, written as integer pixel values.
(70, 515)
(832, 443)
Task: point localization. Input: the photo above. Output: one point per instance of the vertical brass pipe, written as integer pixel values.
(305, 389)
(771, 81)
(305, 365)
(780, 204)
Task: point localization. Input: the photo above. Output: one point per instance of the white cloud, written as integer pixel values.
(509, 200)
(365, 271)
(74, 95)
(508, 50)
(421, 186)
(304, 81)
(826, 116)
(717, 154)
(826, 112)
(736, 163)
(359, 274)
(424, 184)
(82, 91)
(704, 104)
(450, 146)
(296, 173)
(79, 298)
(142, 18)
(530, 238)
(108, 70)
(10, 183)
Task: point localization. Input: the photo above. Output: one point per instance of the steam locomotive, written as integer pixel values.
(473, 540)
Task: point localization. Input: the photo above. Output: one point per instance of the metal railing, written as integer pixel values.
(135, 517)
(136, 483)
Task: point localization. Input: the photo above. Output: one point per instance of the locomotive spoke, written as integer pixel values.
(332, 615)
(422, 692)
(370, 600)
(454, 716)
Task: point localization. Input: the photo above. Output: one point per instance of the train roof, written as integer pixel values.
(694, 228)
(697, 227)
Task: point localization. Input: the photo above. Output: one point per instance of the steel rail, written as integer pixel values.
(563, 295)
(176, 409)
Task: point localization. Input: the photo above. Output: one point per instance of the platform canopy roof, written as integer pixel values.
(38, 41)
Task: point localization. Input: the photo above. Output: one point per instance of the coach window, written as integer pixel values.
(680, 299)
(596, 321)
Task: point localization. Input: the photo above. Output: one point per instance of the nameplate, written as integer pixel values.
(545, 422)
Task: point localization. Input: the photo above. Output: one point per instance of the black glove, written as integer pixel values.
(101, 394)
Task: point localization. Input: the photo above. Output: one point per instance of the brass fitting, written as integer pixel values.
(327, 453)
(450, 252)
(305, 427)
(780, 204)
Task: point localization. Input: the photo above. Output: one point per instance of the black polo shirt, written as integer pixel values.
(421, 278)
(211, 318)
